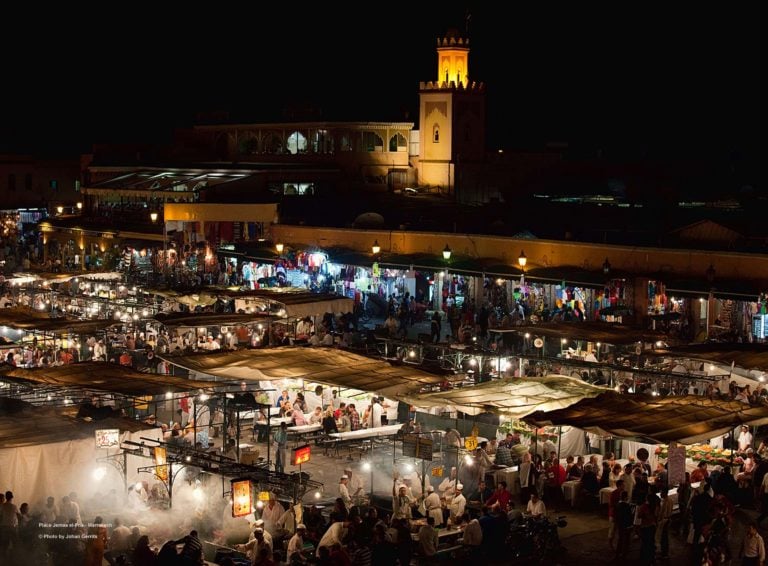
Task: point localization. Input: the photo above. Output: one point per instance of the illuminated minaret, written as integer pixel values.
(451, 117)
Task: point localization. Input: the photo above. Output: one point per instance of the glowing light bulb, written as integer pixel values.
(99, 473)
(317, 495)
(367, 466)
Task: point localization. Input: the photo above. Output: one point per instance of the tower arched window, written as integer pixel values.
(436, 134)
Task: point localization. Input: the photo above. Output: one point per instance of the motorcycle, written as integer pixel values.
(536, 539)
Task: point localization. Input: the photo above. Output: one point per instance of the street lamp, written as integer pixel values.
(279, 247)
(79, 205)
(153, 216)
(447, 252)
(606, 266)
(710, 273)
(375, 248)
(60, 209)
(522, 260)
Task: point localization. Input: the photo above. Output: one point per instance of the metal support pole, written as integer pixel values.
(269, 435)
(170, 488)
(125, 472)
(237, 435)
(224, 437)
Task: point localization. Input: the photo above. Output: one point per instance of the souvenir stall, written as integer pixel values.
(541, 301)
(451, 289)
(614, 301)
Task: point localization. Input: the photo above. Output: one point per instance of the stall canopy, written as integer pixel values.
(102, 376)
(747, 356)
(589, 331)
(323, 365)
(22, 424)
(297, 302)
(27, 319)
(513, 398)
(210, 319)
(687, 419)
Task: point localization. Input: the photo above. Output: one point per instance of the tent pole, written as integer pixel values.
(732, 448)
(194, 421)
(269, 435)
(559, 441)
(224, 437)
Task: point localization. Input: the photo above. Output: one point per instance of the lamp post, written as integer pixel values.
(376, 248)
(606, 267)
(443, 276)
(711, 279)
(154, 215)
(522, 260)
(279, 247)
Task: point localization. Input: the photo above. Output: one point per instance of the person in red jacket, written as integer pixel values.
(500, 498)
(555, 476)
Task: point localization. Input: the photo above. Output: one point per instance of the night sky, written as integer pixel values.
(661, 89)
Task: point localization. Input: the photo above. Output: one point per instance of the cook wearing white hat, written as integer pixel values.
(458, 502)
(432, 505)
(296, 544)
(259, 527)
(344, 491)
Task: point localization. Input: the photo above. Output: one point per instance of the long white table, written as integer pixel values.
(304, 429)
(364, 433)
(442, 533)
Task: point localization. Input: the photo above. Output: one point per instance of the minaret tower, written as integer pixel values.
(451, 117)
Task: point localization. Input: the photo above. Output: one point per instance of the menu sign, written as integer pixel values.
(161, 461)
(415, 446)
(424, 449)
(676, 465)
(410, 444)
(241, 498)
(301, 455)
(107, 437)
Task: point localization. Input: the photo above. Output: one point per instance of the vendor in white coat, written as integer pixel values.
(401, 503)
(457, 504)
(433, 507)
(447, 487)
(355, 486)
(374, 416)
